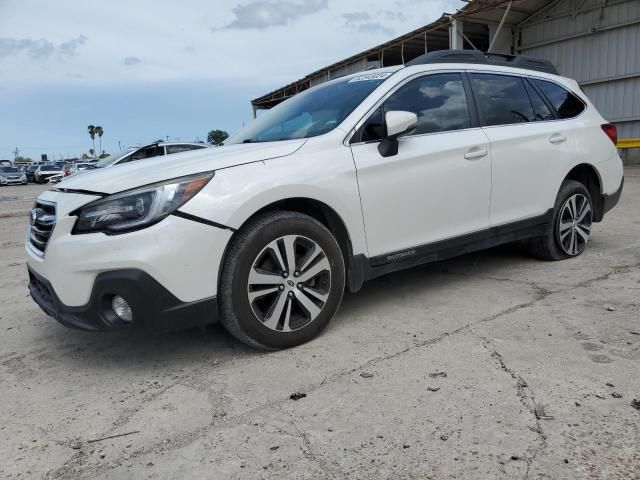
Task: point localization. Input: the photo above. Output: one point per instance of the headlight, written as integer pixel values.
(138, 208)
(2, 179)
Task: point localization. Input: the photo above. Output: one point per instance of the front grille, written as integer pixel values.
(43, 219)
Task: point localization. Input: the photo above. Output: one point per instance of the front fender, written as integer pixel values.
(235, 194)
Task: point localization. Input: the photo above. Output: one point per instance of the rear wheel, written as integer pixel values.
(572, 222)
(282, 280)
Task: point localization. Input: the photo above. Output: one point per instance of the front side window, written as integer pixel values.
(313, 112)
(566, 103)
(502, 99)
(439, 101)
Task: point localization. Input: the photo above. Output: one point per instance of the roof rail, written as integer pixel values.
(476, 56)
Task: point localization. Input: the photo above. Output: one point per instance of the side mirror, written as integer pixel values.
(397, 122)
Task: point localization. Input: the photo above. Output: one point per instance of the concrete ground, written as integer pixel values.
(492, 365)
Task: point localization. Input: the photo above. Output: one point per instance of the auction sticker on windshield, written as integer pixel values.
(370, 76)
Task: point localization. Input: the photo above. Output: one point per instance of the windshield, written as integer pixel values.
(111, 159)
(9, 170)
(312, 112)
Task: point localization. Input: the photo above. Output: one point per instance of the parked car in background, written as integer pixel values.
(31, 169)
(43, 172)
(12, 176)
(5, 163)
(148, 151)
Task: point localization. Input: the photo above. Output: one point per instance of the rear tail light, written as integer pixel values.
(611, 131)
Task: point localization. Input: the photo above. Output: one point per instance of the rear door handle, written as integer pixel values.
(475, 154)
(557, 138)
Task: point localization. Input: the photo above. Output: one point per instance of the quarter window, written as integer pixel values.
(566, 103)
(439, 101)
(502, 99)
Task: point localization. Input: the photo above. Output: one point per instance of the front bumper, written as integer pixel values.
(153, 306)
(170, 270)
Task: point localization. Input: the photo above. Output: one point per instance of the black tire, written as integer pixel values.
(549, 247)
(237, 313)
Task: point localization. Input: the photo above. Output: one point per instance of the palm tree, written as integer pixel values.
(92, 134)
(99, 131)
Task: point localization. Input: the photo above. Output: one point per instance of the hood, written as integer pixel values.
(152, 170)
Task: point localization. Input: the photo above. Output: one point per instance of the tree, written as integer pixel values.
(99, 131)
(92, 133)
(216, 137)
(92, 152)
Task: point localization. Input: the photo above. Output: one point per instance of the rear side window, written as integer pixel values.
(502, 99)
(540, 108)
(566, 103)
(178, 148)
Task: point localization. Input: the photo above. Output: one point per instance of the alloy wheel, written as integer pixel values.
(574, 224)
(289, 283)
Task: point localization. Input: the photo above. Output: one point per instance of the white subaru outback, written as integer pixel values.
(370, 173)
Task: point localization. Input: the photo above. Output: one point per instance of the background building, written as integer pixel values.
(596, 42)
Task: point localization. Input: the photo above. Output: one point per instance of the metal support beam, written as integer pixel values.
(495, 36)
(522, 48)
(455, 34)
(615, 78)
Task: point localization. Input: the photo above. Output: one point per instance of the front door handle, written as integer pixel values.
(475, 154)
(557, 138)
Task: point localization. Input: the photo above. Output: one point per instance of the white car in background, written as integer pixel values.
(349, 180)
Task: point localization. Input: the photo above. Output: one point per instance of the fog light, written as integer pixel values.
(121, 308)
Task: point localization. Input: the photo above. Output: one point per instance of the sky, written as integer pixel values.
(145, 70)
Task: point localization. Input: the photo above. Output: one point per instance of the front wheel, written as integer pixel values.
(282, 280)
(571, 228)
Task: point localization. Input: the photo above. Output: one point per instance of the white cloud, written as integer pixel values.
(130, 61)
(264, 14)
(39, 49)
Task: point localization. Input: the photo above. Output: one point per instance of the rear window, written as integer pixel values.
(567, 105)
(502, 99)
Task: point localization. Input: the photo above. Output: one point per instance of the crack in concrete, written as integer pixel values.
(526, 396)
(316, 458)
